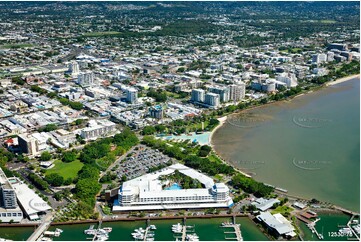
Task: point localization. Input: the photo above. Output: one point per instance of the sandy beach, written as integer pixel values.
(221, 120)
(344, 79)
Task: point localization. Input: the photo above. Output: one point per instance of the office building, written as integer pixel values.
(330, 56)
(319, 58)
(9, 209)
(197, 95)
(30, 202)
(337, 46)
(74, 68)
(237, 92)
(86, 78)
(212, 99)
(132, 95)
(148, 192)
(28, 144)
(8, 197)
(156, 112)
(222, 91)
(346, 54)
(288, 78)
(97, 129)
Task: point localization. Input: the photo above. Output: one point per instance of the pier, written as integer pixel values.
(42, 228)
(345, 210)
(184, 233)
(314, 230)
(237, 231)
(99, 226)
(353, 231)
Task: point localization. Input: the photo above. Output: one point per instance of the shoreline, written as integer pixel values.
(313, 90)
(341, 80)
(221, 120)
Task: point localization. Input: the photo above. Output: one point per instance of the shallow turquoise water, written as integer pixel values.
(202, 139)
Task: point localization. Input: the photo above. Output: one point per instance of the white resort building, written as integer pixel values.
(146, 192)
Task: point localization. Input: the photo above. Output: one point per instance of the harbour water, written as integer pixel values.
(309, 145)
(16, 233)
(328, 226)
(206, 229)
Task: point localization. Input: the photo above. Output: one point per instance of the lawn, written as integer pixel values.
(66, 170)
(198, 126)
(284, 210)
(214, 158)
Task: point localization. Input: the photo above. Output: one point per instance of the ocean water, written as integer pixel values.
(309, 145)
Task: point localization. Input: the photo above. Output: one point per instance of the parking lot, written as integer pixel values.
(140, 161)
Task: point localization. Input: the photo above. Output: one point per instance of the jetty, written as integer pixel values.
(99, 227)
(184, 233)
(146, 233)
(237, 231)
(313, 228)
(349, 226)
(41, 228)
(344, 210)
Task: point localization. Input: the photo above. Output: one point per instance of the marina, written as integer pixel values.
(98, 234)
(206, 229)
(146, 234)
(237, 231)
(182, 230)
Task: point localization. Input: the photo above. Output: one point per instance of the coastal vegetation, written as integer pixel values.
(249, 185)
(188, 153)
(97, 156)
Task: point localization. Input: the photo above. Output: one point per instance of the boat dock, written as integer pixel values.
(313, 228)
(184, 232)
(45, 224)
(349, 226)
(237, 231)
(146, 233)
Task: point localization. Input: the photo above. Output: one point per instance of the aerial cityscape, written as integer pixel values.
(179, 121)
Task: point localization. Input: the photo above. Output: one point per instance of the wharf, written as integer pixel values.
(353, 231)
(146, 233)
(42, 228)
(314, 230)
(345, 210)
(184, 232)
(237, 231)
